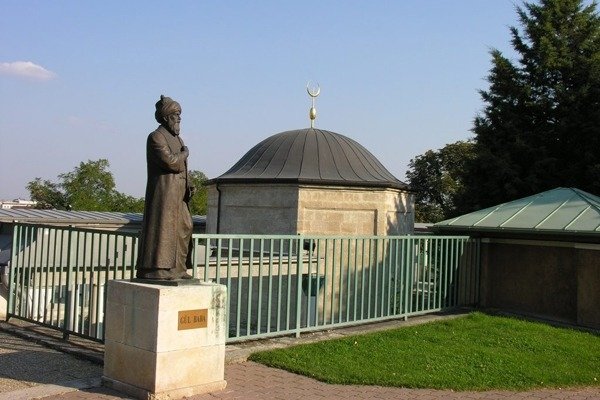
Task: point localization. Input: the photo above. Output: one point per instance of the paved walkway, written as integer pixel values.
(249, 381)
(31, 370)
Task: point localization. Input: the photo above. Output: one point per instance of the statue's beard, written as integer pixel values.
(173, 127)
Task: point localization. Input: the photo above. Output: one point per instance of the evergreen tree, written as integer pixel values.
(540, 127)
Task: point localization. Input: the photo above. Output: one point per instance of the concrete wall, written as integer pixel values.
(308, 209)
(554, 280)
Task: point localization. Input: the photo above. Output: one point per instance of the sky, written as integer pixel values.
(79, 79)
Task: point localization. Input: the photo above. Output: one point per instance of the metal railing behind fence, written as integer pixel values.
(277, 285)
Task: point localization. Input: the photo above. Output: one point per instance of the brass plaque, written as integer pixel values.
(192, 319)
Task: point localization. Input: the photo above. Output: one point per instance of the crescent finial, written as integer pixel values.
(312, 91)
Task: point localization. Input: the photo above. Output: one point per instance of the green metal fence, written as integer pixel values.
(291, 284)
(277, 285)
(58, 275)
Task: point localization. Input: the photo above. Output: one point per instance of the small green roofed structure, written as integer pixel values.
(538, 255)
(562, 211)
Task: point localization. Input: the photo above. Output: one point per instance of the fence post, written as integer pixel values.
(477, 271)
(10, 306)
(68, 293)
(194, 256)
(408, 266)
(299, 269)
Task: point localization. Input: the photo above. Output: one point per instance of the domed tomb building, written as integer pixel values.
(309, 181)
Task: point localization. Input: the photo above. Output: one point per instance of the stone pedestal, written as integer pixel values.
(165, 342)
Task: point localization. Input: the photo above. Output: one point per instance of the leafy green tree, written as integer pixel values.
(125, 203)
(47, 194)
(437, 177)
(90, 186)
(540, 127)
(199, 201)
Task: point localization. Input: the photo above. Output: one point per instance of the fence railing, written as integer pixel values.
(291, 284)
(58, 275)
(277, 285)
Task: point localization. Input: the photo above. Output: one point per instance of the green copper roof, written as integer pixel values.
(561, 210)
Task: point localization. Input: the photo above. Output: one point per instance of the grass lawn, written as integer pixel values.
(475, 352)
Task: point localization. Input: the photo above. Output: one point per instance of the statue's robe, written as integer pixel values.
(164, 250)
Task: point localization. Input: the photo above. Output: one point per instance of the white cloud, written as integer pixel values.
(26, 69)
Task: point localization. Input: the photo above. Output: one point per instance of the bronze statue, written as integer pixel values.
(164, 250)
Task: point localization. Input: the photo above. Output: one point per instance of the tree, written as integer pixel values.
(540, 126)
(199, 201)
(47, 194)
(121, 202)
(437, 177)
(90, 187)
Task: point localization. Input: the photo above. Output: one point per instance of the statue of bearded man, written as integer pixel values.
(164, 250)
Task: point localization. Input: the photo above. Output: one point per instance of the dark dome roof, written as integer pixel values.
(312, 156)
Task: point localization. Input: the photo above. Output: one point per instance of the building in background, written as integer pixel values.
(17, 203)
(309, 181)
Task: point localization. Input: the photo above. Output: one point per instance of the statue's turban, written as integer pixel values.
(164, 107)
